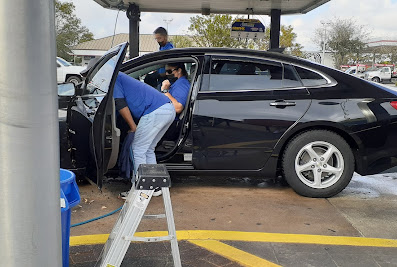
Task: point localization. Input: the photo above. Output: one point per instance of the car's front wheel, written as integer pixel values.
(376, 79)
(318, 163)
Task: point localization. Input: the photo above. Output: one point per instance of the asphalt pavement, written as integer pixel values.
(247, 222)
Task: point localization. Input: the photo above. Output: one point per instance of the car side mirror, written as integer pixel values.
(66, 89)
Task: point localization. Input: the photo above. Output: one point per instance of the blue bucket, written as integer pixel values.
(70, 193)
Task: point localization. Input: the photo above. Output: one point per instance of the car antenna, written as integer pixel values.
(115, 25)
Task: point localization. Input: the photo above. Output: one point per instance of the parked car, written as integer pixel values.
(68, 73)
(380, 75)
(353, 71)
(250, 113)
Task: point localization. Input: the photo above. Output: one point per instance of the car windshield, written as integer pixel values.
(64, 62)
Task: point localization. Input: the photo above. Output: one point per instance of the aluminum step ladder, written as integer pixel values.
(149, 176)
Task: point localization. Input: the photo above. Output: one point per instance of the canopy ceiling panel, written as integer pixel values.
(258, 7)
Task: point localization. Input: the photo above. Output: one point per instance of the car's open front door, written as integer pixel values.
(97, 99)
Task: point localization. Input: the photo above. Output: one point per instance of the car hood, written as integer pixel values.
(75, 69)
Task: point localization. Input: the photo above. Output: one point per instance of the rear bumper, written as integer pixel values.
(379, 150)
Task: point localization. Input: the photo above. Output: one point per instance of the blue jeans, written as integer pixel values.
(149, 131)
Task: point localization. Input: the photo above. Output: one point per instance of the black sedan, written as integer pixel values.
(250, 113)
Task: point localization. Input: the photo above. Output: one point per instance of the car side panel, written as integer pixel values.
(369, 125)
(238, 131)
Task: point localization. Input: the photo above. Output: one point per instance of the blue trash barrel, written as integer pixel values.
(70, 192)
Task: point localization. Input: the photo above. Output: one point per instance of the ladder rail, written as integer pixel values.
(171, 226)
(118, 246)
(150, 176)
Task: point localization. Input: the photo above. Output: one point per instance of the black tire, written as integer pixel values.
(335, 173)
(74, 79)
(376, 79)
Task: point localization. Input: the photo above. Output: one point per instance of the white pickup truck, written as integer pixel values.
(381, 74)
(68, 73)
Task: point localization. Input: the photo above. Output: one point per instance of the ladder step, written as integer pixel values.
(154, 216)
(150, 239)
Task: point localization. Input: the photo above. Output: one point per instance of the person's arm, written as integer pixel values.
(122, 107)
(164, 88)
(126, 114)
(178, 106)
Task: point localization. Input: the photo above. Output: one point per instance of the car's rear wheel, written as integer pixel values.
(73, 79)
(376, 79)
(318, 163)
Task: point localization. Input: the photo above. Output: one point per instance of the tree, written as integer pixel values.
(287, 41)
(68, 29)
(180, 41)
(214, 31)
(345, 38)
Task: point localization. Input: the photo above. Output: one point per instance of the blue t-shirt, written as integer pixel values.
(166, 47)
(141, 98)
(180, 90)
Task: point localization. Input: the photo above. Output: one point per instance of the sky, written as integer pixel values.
(378, 16)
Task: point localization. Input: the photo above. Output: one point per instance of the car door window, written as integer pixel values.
(291, 77)
(310, 78)
(229, 75)
(97, 84)
(149, 74)
(100, 78)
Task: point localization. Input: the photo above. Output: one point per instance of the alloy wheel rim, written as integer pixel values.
(319, 164)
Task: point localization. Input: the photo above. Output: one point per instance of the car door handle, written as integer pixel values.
(282, 104)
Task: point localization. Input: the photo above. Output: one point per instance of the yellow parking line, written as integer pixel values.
(251, 237)
(233, 254)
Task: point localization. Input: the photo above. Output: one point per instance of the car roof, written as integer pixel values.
(224, 51)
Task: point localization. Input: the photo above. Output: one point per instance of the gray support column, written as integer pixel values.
(275, 28)
(30, 220)
(134, 15)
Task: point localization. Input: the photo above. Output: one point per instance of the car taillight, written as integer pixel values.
(394, 104)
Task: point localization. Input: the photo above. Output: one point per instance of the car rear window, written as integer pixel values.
(310, 78)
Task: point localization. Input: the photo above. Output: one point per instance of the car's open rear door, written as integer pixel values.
(105, 137)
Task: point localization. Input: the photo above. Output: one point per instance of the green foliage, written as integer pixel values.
(214, 31)
(345, 38)
(68, 29)
(180, 41)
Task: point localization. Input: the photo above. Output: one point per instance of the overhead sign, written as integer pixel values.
(248, 28)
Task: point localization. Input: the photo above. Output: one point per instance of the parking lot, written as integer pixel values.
(241, 221)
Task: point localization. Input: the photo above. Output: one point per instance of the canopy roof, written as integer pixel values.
(257, 7)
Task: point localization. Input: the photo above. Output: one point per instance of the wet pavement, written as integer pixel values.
(262, 223)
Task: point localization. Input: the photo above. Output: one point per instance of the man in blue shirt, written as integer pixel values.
(161, 37)
(147, 112)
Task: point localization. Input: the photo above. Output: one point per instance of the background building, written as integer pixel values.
(97, 48)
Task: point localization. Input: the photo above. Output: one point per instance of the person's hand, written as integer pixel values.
(131, 131)
(165, 86)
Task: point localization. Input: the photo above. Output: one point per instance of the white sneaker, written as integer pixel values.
(157, 192)
(124, 195)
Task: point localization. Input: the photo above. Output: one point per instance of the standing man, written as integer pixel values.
(161, 36)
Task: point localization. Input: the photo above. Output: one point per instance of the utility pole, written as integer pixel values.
(167, 21)
(30, 221)
(325, 24)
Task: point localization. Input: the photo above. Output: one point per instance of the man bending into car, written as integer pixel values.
(148, 114)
